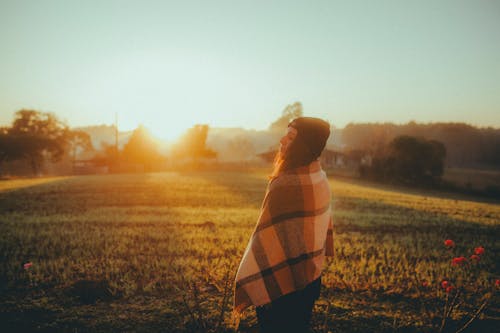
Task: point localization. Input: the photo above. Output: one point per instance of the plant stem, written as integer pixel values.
(443, 321)
(453, 304)
(474, 317)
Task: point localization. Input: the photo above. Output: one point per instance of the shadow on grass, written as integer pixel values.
(425, 192)
(368, 311)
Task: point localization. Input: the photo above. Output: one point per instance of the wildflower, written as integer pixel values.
(479, 250)
(449, 243)
(27, 265)
(497, 283)
(475, 257)
(425, 283)
(458, 261)
(445, 284)
(449, 289)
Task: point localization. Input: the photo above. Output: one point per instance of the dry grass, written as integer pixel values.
(166, 245)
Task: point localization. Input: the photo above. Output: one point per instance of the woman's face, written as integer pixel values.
(287, 139)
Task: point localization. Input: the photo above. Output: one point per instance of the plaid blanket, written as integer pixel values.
(292, 236)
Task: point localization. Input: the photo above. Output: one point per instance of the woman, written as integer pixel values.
(280, 272)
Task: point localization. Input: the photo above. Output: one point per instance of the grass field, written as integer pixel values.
(473, 179)
(158, 253)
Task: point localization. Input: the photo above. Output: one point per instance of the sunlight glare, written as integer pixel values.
(169, 128)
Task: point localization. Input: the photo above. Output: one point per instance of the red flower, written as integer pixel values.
(458, 261)
(425, 283)
(27, 265)
(475, 257)
(449, 289)
(497, 283)
(449, 243)
(479, 250)
(445, 284)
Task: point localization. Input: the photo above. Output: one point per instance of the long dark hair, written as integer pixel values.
(298, 154)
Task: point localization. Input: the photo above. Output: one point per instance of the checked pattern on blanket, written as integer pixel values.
(293, 234)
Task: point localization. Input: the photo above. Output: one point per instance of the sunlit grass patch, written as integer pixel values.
(14, 184)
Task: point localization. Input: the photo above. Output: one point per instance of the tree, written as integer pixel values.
(141, 148)
(437, 153)
(8, 147)
(36, 135)
(78, 141)
(371, 138)
(410, 160)
(287, 115)
(193, 144)
(107, 155)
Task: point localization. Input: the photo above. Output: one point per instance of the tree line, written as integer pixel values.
(466, 146)
(407, 160)
(36, 137)
(409, 153)
(142, 148)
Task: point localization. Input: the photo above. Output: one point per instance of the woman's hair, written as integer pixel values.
(308, 144)
(297, 154)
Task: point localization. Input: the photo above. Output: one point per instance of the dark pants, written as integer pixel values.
(289, 313)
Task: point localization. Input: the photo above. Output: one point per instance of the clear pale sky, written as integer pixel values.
(172, 64)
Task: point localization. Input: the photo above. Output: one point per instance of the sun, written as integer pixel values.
(169, 134)
(166, 127)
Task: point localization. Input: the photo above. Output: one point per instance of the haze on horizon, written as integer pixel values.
(170, 65)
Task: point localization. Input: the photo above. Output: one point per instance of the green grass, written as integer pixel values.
(167, 246)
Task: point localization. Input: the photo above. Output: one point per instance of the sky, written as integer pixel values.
(171, 64)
